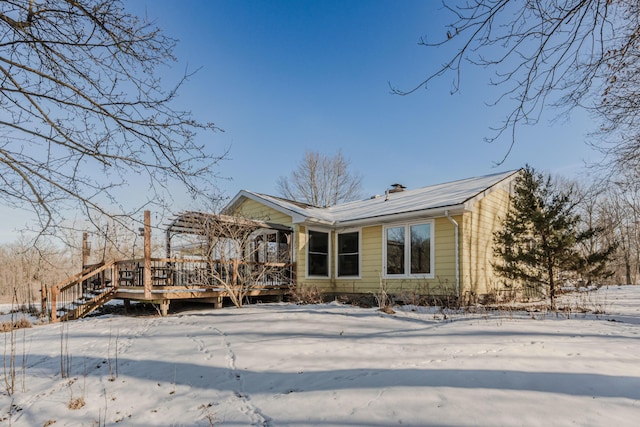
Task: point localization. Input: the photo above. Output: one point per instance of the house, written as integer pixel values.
(434, 241)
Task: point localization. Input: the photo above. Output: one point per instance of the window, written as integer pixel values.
(420, 249)
(395, 250)
(409, 250)
(318, 254)
(349, 254)
(270, 246)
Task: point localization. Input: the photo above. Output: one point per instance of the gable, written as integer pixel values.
(252, 209)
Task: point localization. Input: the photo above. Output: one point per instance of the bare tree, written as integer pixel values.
(619, 214)
(562, 53)
(321, 180)
(240, 255)
(594, 263)
(241, 259)
(83, 111)
(25, 268)
(619, 105)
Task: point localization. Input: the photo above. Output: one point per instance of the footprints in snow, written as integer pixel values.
(241, 400)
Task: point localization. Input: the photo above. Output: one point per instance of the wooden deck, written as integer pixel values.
(162, 280)
(170, 279)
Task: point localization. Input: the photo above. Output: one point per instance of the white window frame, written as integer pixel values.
(407, 251)
(349, 231)
(328, 233)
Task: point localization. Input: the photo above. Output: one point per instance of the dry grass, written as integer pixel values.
(387, 309)
(9, 326)
(76, 403)
(305, 295)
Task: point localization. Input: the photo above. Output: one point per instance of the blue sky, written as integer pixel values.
(282, 77)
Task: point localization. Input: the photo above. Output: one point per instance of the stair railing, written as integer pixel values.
(72, 292)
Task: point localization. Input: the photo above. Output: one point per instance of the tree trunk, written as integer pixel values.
(552, 288)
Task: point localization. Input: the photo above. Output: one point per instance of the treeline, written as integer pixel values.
(611, 209)
(25, 267)
(616, 209)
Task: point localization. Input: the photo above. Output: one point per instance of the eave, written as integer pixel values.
(391, 218)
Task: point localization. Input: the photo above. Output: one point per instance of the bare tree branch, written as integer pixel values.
(321, 180)
(83, 110)
(561, 53)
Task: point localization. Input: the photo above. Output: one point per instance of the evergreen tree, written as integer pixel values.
(540, 236)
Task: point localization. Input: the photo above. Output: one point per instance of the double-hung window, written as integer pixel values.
(318, 254)
(349, 254)
(408, 250)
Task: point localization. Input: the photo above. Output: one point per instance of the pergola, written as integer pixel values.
(211, 226)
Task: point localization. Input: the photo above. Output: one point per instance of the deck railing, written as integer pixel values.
(192, 272)
(96, 284)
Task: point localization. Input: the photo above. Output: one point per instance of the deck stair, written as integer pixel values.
(79, 295)
(86, 306)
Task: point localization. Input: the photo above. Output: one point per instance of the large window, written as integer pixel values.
(409, 250)
(318, 254)
(349, 254)
(395, 250)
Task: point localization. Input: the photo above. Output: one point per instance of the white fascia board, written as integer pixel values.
(310, 221)
(386, 219)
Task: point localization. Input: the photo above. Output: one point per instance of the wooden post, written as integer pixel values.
(85, 249)
(43, 300)
(115, 275)
(146, 278)
(217, 302)
(54, 310)
(164, 307)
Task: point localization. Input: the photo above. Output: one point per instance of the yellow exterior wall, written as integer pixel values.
(300, 254)
(254, 210)
(371, 261)
(477, 229)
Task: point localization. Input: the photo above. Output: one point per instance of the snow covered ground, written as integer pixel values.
(334, 365)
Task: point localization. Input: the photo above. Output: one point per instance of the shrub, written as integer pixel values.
(305, 295)
(8, 326)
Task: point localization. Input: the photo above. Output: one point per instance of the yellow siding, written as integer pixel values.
(371, 251)
(300, 253)
(477, 229)
(254, 210)
(371, 257)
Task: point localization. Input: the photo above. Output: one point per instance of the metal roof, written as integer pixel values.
(455, 195)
